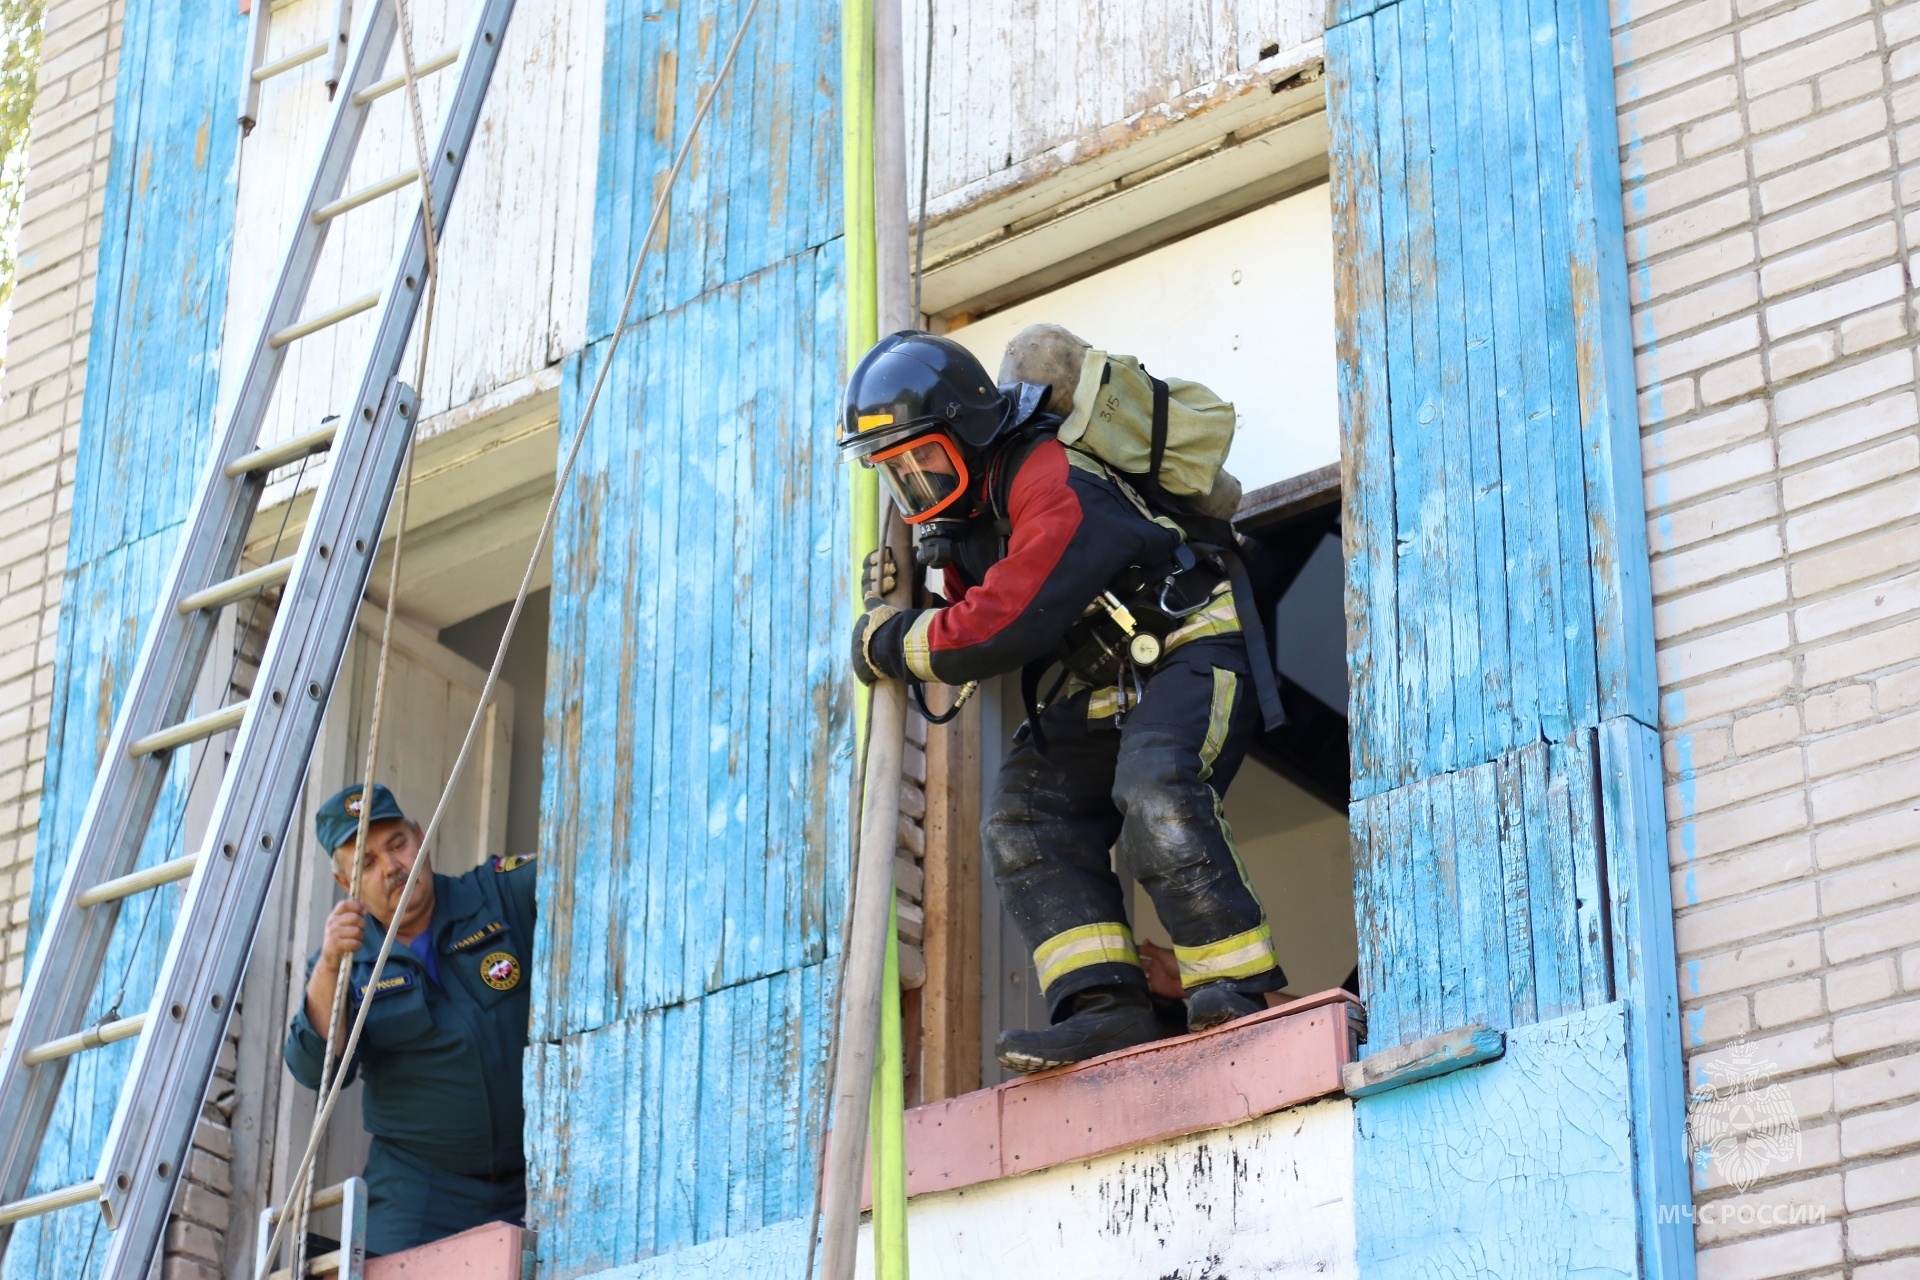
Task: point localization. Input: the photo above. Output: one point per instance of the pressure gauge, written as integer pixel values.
(1145, 648)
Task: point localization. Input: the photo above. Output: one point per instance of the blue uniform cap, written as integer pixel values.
(339, 817)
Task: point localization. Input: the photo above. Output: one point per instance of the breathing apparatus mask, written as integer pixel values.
(928, 478)
(921, 410)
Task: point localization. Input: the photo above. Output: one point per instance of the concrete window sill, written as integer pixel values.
(1209, 1080)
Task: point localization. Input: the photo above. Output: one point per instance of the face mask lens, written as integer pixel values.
(923, 476)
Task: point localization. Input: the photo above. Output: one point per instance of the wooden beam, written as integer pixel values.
(1276, 504)
(1422, 1060)
(950, 1002)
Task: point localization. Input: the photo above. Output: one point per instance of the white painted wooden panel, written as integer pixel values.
(431, 694)
(1013, 78)
(515, 252)
(1270, 1198)
(1245, 307)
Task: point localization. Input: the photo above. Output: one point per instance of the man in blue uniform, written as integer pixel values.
(442, 1048)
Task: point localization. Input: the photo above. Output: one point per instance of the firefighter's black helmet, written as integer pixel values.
(912, 383)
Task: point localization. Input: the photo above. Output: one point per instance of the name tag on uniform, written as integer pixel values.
(386, 986)
(479, 936)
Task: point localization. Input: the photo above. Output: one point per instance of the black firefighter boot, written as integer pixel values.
(1099, 1020)
(1212, 1003)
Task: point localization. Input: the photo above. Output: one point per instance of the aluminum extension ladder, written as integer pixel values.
(180, 1033)
(348, 1261)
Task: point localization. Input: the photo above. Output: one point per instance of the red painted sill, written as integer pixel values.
(490, 1252)
(1208, 1080)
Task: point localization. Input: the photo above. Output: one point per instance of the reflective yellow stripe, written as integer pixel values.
(1087, 462)
(1087, 945)
(1217, 619)
(916, 649)
(1241, 956)
(1219, 719)
(1226, 831)
(1103, 704)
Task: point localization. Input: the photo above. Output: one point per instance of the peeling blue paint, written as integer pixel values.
(695, 819)
(1510, 845)
(152, 381)
(1518, 1168)
(778, 1252)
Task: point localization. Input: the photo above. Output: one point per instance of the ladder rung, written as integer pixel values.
(278, 455)
(379, 89)
(81, 1041)
(47, 1202)
(358, 198)
(140, 881)
(239, 587)
(324, 1198)
(344, 311)
(191, 730)
(292, 60)
(324, 1264)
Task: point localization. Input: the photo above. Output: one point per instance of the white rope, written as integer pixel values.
(333, 1064)
(331, 1096)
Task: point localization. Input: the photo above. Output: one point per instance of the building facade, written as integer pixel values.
(1575, 358)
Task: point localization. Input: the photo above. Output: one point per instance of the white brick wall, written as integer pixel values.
(40, 418)
(1771, 157)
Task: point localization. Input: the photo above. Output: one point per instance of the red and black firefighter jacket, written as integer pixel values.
(1033, 562)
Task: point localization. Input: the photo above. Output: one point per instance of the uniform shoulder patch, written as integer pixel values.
(512, 862)
(500, 970)
(386, 986)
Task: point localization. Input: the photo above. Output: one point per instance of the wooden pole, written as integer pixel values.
(893, 251)
(893, 287)
(875, 161)
(863, 967)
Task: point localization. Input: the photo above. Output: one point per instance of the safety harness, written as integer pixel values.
(1140, 617)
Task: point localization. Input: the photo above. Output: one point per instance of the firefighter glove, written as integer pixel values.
(877, 574)
(878, 614)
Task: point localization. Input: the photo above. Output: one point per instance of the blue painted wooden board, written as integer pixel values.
(1643, 967)
(1521, 1168)
(1367, 528)
(762, 182)
(1508, 835)
(1479, 896)
(152, 362)
(698, 746)
(1497, 534)
(698, 750)
(680, 1125)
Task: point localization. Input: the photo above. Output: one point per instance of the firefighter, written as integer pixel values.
(1043, 546)
(446, 1033)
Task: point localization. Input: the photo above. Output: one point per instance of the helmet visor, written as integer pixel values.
(925, 475)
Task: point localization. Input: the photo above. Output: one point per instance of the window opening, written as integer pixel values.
(475, 639)
(457, 571)
(1245, 307)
